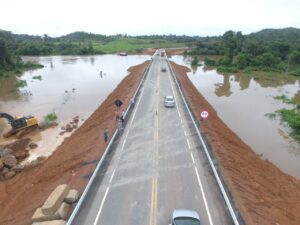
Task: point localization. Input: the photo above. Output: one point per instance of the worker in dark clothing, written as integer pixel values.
(105, 135)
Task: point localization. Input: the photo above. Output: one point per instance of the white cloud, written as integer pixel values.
(191, 17)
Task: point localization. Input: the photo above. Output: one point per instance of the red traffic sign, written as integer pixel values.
(204, 114)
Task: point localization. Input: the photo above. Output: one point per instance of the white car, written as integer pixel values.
(184, 217)
(169, 101)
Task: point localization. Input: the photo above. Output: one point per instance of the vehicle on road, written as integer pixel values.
(163, 69)
(169, 101)
(184, 217)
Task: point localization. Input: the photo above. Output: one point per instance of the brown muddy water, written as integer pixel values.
(70, 86)
(242, 102)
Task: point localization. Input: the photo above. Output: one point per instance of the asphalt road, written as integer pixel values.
(157, 166)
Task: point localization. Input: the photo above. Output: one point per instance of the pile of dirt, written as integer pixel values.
(72, 163)
(263, 193)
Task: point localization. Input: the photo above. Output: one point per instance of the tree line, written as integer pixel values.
(275, 50)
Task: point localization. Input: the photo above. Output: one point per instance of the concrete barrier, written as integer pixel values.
(72, 196)
(39, 216)
(55, 199)
(53, 222)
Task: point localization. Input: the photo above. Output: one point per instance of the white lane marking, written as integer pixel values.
(112, 176)
(188, 143)
(204, 198)
(193, 159)
(184, 133)
(101, 206)
(181, 121)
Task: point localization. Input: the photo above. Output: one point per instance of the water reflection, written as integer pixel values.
(242, 100)
(223, 89)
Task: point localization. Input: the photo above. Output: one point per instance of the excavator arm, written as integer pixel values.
(8, 117)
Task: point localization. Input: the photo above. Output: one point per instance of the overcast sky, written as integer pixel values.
(137, 17)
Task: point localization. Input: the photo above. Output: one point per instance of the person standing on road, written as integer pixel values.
(105, 135)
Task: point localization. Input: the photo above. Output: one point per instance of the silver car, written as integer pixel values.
(184, 217)
(169, 101)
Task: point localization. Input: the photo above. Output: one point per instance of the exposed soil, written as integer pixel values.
(73, 162)
(263, 193)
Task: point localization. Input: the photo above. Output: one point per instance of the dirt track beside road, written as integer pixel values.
(264, 194)
(73, 162)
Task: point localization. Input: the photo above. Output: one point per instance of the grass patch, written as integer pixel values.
(50, 117)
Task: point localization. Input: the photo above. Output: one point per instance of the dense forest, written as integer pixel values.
(267, 50)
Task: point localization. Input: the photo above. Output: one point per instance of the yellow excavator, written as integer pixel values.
(18, 123)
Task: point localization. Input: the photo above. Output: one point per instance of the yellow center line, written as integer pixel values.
(153, 205)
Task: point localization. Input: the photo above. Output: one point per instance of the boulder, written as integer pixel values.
(33, 145)
(72, 196)
(9, 161)
(63, 210)
(5, 151)
(21, 154)
(47, 124)
(52, 222)
(55, 199)
(10, 174)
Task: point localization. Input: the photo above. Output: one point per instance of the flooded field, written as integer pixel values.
(70, 86)
(242, 102)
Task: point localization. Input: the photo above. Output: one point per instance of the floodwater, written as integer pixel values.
(242, 102)
(70, 86)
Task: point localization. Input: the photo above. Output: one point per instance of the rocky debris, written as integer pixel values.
(11, 155)
(56, 208)
(9, 161)
(72, 196)
(33, 145)
(69, 127)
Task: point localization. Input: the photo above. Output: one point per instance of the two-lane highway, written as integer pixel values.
(157, 166)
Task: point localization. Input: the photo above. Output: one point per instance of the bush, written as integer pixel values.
(50, 117)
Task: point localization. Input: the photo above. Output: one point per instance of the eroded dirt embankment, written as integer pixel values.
(73, 162)
(263, 193)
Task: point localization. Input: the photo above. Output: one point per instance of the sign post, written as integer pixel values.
(204, 115)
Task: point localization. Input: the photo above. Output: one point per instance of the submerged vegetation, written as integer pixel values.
(289, 116)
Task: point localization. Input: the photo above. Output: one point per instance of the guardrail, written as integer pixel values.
(215, 172)
(87, 188)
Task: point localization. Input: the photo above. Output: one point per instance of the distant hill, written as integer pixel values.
(285, 34)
